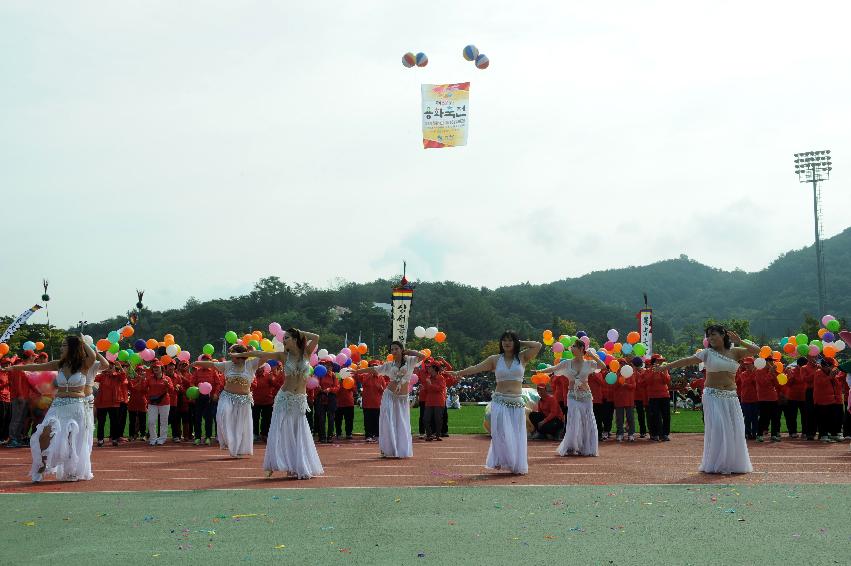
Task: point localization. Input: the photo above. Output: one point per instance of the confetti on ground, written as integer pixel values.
(549, 537)
(346, 550)
(397, 500)
(149, 518)
(421, 555)
(29, 524)
(327, 528)
(280, 546)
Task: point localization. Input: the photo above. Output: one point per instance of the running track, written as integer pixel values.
(455, 461)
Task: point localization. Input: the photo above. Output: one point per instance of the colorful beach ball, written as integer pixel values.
(422, 59)
(482, 61)
(409, 60)
(470, 53)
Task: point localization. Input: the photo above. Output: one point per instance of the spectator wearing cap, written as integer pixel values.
(435, 382)
(827, 399)
(106, 404)
(642, 402)
(5, 400)
(326, 403)
(205, 405)
(547, 420)
(345, 412)
(658, 382)
(809, 421)
(20, 390)
(746, 388)
(158, 391)
(624, 401)
(123, 398)
(768, 394)
(445, 367)
(169, 371)
(185, 405)
(263, 390)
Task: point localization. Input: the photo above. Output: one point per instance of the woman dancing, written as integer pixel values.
(62, 443)
(580, 432)
(233, 416)
(289, 446)
(394, 421)
(725, 450)
(508, 411)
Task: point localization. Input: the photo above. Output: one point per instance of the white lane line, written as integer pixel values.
(123, 479)
(176, 469)
(582, 473)
(193, 479)
(11, 481)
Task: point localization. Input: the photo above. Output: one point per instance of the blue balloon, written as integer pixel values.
(828, 337)
(28, 345)
(139, 345)
(272, 363)
(348, 363)
(581, 333)
(627, 349)
(320, 371)
(335, 366)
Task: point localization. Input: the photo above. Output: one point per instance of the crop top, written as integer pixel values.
(233, 373)
(509, 373)
(577, 375)
(715, 361)
(399, 374)
(296, 369)
(75, 380)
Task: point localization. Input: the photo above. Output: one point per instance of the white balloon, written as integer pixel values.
(431, 332)
(840, 345)
(88, 339)
(759, 363)
(344, 373)
(700, 366)
(419, 332)
(322, 353)
(278, 345)
(171, 350)
(626, 370)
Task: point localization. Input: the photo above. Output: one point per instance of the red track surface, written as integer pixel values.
(455, 461)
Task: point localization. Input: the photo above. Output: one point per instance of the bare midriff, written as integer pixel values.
(720, 380)
(71, 391)
(509, 387)
(238, 387)
(398, 387)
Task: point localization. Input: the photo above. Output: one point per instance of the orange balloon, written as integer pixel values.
(257, 335)
(4, 348)
(614, 365)
(152, 344)
(764, 352)
(165, 360)
(389, 357)
(348, 383)
(39, 346)
(548, 333)
(829, 351)
(363, 364)
(168, 339)
(821, 332)
(128, 331)
(246, 338)
(103, 345)
(775, 355)
(362, 348)
(353, 348)
(621, 380)
(779, 367)
(633, 337)
(440, 337)
(618, 347)
(427, 352)
(793, 340)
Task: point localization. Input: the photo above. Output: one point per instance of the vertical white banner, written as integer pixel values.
(645, 329)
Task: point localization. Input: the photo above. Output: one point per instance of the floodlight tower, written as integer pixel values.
(815, 167)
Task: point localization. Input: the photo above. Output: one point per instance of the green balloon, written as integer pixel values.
(802, 339)
(803, 349)
(611, 378)
(208, 349)
(230, 337)
(833, 325)
(639, 349)
(568, 355)
(114, 347)
(254, 344)
(123, 356)
(542, 365)
(565, 341)
(816, 343)
(135, 359)
(192, 393)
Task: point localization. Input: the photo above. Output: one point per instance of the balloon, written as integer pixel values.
(419, 332)
(272, 363)
(431, 332)
(39, 346)
(362, 348)
(802, 338)
(586, 341)
(627, 371)
(168, 339)
(803, 349)
(764, 352)
(547, 333)
(821, 332)
(139, 345)
(102, 345)
(827, 318)
(123, 356)
(626, 349)
(422, 59)
(839, 345)
(440, 337)
(581, 334)
(759, 363)
(542, 365)
(165, 360)
(789, 348)
(816, 343)
(549, 341)
(230, 337)
(637, 361)
(114, 348)
(208, 349)
(409, 60)
(275, 329)
(776, 356)
(793, 340)
(828, 337)
(314, 359)
(639, 349)
(612, 335)
(135, 358)
(312, 382)
(829, 351)
(470, 52)
(192, 392)
(320, 371)
(706, 342)
(363, 364)
(266, 345)
(540, 379)
(633, 337)
(778, 366)
(4, 348)
(113, 337)
(610, 346)
(482, 61)
(558, 347)
(427, 352)
(111, 357)
(813, 350)
(171, 350)
(611, 378)
(205, 388)
(341, 358)
(128, 331)
(568, 354)
(618, 347)
(348, 383)
(389, 357)
(782, 379)
(614, 365)
(184, 356)
(152, 344)
(347, 352)
(254, 344)
(88, 339)
(834, 326)
(322, 353)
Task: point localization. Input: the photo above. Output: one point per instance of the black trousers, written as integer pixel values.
(598, 417)
(846, 425)
(769, 414)
(122, 418)
(829, 419)
(444, 428)
(421, 423)
(176, 422)
(809, 421)
(5, 419)
(261, 415)
(790, 415)
(205, 409)
(325, 415)
(434, 420)
(552, 427)
(112, 412)
(608, 415)
(659, 417)
(138, 423)
(642, 419)
(370, 422)
(311, 416)
(347, 414)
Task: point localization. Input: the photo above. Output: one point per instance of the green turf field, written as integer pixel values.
(700, 524)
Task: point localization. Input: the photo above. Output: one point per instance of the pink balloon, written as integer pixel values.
(586, 340)
(204, 387)
(341, 358)
(148, 355)
(609, 345)
(347, 352)
(814, 350)
(184, 356)
(266, 368)
(111, 357)
(558, 347)
(415, 379)
(312, 382)
(706, 342)
(275, 329)
(314, 359)
(827, 318)
(46, 377)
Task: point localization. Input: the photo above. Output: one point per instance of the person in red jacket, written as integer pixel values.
(137, 405)
(596, 381)
(345, 411)
(560, 384)
(659, 396)
(206, 405)
(185, 405)
(608, 408)
(796, 394)
(642, 402)
(5, 401)
(263, 391)
(20, 390)
(372, 389)
(435, 384)
(746, 388)
(547, 420)
(326, 403)
(158, 391)
(809, 421)
(827, 400)
(179, 390)
(422, 396)
(123, 397)
(446, 367)
(107, 402)
(768, 396)
(624, 399)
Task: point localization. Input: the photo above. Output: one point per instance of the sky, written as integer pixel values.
(191, 148)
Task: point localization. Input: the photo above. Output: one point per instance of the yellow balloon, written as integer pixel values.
(782, 379)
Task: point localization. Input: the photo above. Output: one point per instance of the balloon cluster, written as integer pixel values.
(608, 353)
(471, 53)
(28, 346)
(409, 60)
(139, 350)
(431, 333)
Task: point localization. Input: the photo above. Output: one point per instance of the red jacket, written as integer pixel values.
(372, 388)
(624, 394)
(807, 372)
(178, 388)
(641, 386)
(162, 388)
(136, 387)
(108, 391)
(19, 385)
(698, 383)
(796, 389)
(596, 381)
(5, 391)
(345, 397)
(328, 385)
(766, 385)
(122, 390)
(746, 385)
(211, 376)
(608, 390)
(264, 388)
(560, 385)
(657, 384)
(550, 407)
(436, 387)
(826, 388)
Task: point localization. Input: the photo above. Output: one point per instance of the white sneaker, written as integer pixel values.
(632, 438)
(619, 438)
